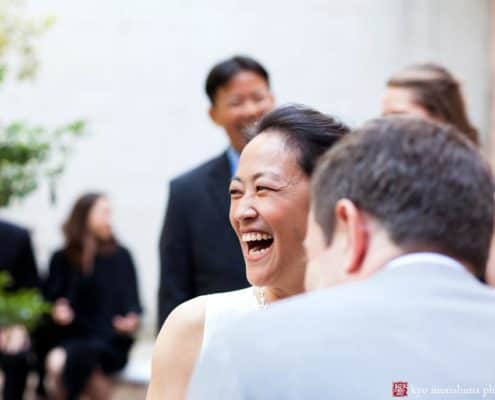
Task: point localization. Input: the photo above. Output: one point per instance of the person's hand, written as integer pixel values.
(13, 339)
(126, 325)
(62, 312)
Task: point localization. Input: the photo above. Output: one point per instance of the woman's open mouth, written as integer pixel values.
(258, 244)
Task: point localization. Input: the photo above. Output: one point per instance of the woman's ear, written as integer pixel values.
(352, 223)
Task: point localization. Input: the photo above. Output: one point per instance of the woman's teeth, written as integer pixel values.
(255, 236)
(258, 251)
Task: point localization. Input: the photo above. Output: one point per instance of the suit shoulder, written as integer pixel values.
(202, 171)
(124, 252)
(59, 255)
(59, 262)
(121, 249)
(330, 304)
(13, 230)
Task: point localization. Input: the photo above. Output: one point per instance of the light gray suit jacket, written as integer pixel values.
(430, 326)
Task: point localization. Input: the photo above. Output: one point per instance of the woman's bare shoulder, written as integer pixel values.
(186, 320)
(176, 349)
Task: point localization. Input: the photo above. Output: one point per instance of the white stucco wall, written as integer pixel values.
(135, 70)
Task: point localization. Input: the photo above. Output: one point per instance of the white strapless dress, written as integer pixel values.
(222, 308)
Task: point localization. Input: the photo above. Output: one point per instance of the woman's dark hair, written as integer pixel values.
(437, 91)
(80, 246)
(308, 131)
(224, 71)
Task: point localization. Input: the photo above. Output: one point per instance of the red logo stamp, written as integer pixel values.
(399, 389)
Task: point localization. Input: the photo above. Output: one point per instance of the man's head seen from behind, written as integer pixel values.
(397, 185)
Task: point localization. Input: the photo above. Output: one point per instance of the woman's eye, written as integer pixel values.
(263, 188)
(234, 192)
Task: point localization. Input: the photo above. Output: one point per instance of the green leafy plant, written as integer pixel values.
(22, 307)
(19, 34)
(29, 153)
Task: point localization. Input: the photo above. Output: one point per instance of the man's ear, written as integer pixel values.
(352, 223)
(272, 97)
(212, 112)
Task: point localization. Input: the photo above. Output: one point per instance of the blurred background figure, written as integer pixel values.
(92, 284)
(17, 259)
(431, 92)
(199, 252)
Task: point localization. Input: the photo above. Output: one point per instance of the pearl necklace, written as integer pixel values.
(259, 294)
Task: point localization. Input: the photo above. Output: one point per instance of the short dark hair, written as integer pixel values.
(424, 182)
(225, 70)
(310, 132)
(436, 90)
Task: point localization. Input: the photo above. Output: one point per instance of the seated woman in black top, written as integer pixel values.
(92, 283)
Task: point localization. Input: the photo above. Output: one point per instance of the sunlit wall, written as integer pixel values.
(135, 70)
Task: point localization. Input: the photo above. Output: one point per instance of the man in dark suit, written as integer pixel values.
(199, 252)
(16, 258)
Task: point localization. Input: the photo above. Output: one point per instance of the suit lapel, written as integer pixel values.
(218, 186)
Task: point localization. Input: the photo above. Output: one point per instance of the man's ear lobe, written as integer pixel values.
(272, 98)
(353, 221)
(213, 114)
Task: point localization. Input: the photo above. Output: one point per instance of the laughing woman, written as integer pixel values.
(268, 211)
